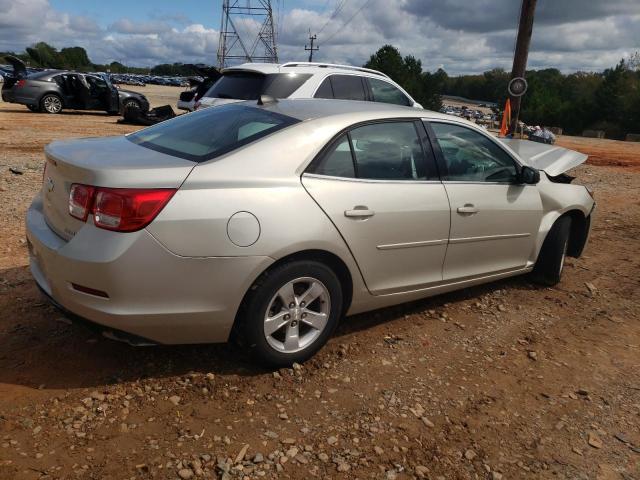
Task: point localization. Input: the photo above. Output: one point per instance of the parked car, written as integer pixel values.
(199, 85)
(273, 220)
(304, 80)
(51, 91)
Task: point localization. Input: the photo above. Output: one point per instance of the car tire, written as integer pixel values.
(131, 104)
(280, 334)
(51, 103)
(550, 263)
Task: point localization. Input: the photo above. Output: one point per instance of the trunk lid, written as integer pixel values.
(105, 162)
(552, 159)
(19, 68)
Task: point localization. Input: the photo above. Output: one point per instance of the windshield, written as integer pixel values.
(249, 85)
(209, 133)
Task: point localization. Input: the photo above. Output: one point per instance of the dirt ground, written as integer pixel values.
(503, 381)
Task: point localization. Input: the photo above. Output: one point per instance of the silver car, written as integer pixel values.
(274, 220)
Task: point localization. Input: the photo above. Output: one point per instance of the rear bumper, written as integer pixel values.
(152, 293)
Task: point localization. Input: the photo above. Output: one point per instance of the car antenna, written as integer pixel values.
(265, 99)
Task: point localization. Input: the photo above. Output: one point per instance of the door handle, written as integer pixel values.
(468, 208)
(359, 211)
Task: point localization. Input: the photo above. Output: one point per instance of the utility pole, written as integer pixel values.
(311, 49)
(525, 29)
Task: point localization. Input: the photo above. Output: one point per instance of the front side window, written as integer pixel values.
(378, 151)
(384, 92)
(471, 156)
(209, 133)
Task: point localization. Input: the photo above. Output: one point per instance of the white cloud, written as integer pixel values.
(568, 34)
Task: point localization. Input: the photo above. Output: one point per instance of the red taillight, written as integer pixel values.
(80, 198)
(20, 83)
(123, 209)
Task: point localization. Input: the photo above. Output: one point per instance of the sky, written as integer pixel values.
(461, 36)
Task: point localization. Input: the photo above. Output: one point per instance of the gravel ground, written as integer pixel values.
(502, 381)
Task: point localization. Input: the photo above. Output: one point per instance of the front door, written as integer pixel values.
(379, 185)
(494, 217)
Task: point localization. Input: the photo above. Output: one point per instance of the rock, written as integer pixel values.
(258, 458)
(297, 366)
(469, 454)
(421, 471)
(577, 451)
(323, 457)
(594, 440)
(16, 171)
(241, 453)
(98, 396)
(210, 376)
(391, 475)
(592, 288)
(496, 476)
(344, 467)
(332, 440)
(185, 473)
(378, 450)
(502, 308)
(37, 430)
(532, 355)
(175, 399)
(619, 436)
(427, 422)
(292, 452)
(289, 441)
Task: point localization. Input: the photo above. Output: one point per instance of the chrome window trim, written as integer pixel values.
(488, 237)
(367, 180)
(424, 243)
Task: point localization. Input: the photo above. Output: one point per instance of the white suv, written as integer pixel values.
(304, 80)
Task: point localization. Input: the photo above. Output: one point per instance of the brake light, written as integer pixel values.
(196, 105)
(21, 83)
(80, 198)
(119, 209)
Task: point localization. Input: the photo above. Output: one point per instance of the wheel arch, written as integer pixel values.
(52, 92)
(326, 257)
(580, 226)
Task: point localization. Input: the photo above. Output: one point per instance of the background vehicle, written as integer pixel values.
(51, 91)
(278, 218)
(304, 80)
(199, 85)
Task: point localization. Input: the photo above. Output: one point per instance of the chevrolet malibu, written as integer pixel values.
(273, 220)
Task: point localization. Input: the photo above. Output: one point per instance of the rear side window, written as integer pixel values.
(379, 151)
(342, 87)
(384, 92)
(209, 133)
(338, 161)
(325, 90)
(249, 86)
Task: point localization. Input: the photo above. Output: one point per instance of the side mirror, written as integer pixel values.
(529, 175)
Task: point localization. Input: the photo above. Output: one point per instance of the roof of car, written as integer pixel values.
(356, 111)
(302, 67)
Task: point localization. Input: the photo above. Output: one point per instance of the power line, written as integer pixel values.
(340, 5)
(347, 22)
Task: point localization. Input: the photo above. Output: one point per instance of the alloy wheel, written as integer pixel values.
(297, 314)
(52, 104)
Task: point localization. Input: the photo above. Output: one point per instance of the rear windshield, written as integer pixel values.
(209, 133)
(249, 86)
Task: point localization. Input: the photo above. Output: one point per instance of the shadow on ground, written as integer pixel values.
(39, 348)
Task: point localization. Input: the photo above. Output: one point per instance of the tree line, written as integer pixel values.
(43, 55)
(608, 100)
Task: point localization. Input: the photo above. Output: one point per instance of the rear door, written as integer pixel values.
(494, 218)
(378, 184)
